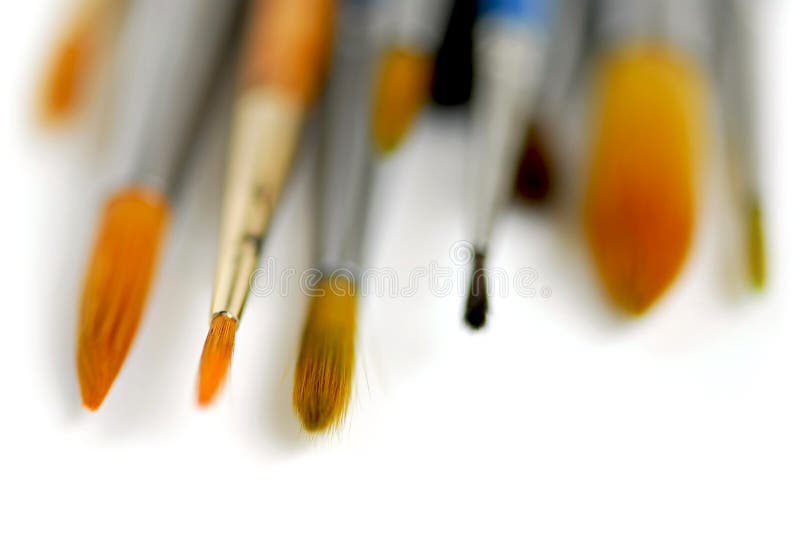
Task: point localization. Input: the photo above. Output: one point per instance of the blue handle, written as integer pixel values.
(533, 11)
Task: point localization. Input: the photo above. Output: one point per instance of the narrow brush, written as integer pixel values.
(170, 53)
(90, 30)
(406, 67)
(645, 157)
(510, 50)
(325, 365)
(737, 75)
(284, 58)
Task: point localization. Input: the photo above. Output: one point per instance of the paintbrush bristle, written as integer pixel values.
(66, 75)
(639, 209)
(757, 254)
(116, 287)
(402, 89)
(216, 359)
(324, 372)
(478, 297)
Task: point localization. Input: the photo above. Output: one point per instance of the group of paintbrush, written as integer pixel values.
(652, 65)
(375, 64)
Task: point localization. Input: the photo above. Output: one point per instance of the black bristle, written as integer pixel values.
(478, 297)
(454, 68)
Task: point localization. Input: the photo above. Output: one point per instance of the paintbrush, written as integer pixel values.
(325, 365)
(405, 68)
(647, 146)
(537, 167)
(77, 57)
(737, 87)
(284, 58)
(510, 48)
(170, 54)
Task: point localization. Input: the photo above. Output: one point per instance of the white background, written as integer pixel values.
(559, 419)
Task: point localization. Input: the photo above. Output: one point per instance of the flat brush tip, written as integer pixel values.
(324, 371)
(478, 298)
(216, 358)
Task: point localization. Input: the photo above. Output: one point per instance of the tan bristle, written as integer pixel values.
(324, 373)
(216, 359)
(116, 287)
(402, 88)
(639, 211)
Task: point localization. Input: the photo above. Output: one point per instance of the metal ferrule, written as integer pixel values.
(345, 163)
(735, 58)
(266, 129)
(416, 23)
(169, 54)
(509, 58)
(680, 23)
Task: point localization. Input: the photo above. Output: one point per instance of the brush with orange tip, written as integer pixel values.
(406, 68)
(737, 88)
(326, 362)
(171, 52)
(284, 59)
(78, 54)
(645, 157)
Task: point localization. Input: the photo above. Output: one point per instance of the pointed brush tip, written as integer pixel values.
(215, 359)
(477, 307)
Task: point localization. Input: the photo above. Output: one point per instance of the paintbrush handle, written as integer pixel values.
(283, 65)
(169, 54)
(346, 152)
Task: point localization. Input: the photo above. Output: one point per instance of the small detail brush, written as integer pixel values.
(737, 77)
(325, 365)
(406, 67)
(170, 52)
(284, 58)
(510, 50)
(91, 27)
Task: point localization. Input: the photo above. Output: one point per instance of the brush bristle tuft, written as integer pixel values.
(324, 372)
(639, 210)
(116, 287)
(216, 359)
(402, 88)
(478, 297)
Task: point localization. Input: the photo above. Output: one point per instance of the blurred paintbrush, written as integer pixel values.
(89, 33)
(647, 148)
(171, 50)
(325, 366)
(736, 60)
(510, 49)
(406, 67)
(283, 62)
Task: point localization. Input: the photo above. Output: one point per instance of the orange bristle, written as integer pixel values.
(324, 373)
(403, 84)
(116, 287)
(639, 211)
(216, 359)
(67, 74)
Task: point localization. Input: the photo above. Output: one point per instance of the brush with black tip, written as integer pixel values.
(510, 45)
(326, 363)
(171, 52)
